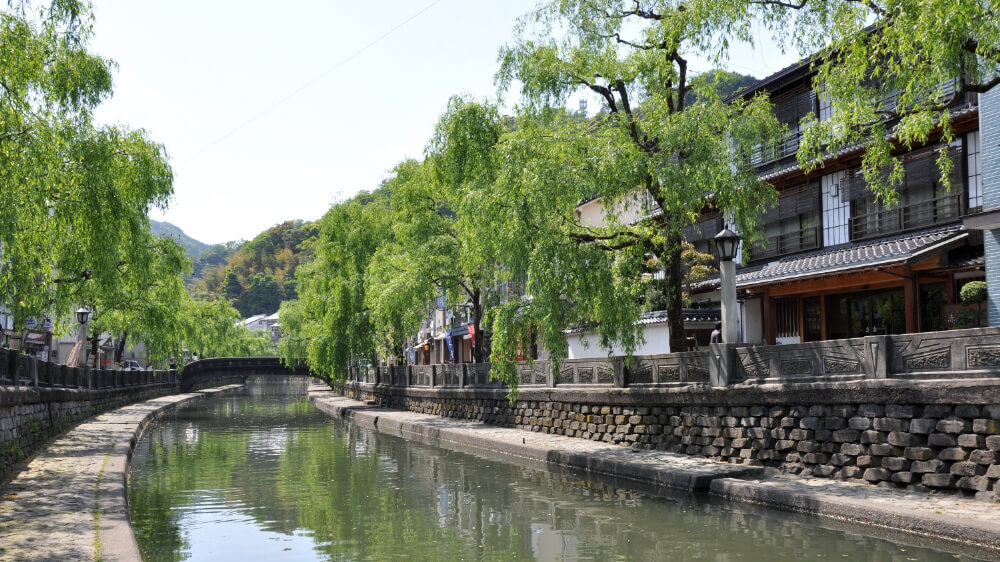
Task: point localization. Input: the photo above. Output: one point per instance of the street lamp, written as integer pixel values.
(82, 314)
(726, 244)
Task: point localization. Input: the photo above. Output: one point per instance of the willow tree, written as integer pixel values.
(74, 197)
(435, 248)
(330, 327)
(889, 69)
(655, 160)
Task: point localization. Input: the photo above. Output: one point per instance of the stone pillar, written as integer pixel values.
(730, 327)
(722, 363)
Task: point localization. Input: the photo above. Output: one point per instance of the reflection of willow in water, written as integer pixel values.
(358, 494)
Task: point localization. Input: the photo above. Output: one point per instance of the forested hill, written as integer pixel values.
(256, 275)
(192, 247)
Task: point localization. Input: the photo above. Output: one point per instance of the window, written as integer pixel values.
(787, 317)
(701, 233)
(923, 200)
(793, 225)
(975, 177)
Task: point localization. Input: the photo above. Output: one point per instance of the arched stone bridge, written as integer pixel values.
(232, 368)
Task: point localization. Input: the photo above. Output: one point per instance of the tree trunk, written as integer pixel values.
(121, 347)
(477, 316)
(673, 288)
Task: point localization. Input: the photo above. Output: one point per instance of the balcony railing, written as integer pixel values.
(786, 147)
(790, 242)
(904, 217)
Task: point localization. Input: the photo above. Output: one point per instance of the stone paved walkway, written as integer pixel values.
(950, 517)
(70, 501)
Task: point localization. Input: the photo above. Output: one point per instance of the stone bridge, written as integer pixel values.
(236, 369)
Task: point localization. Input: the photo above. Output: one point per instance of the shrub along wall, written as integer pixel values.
(920, 435)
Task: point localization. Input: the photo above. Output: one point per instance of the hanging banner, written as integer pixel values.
(448, 342)
(413, 356)
(472, 333)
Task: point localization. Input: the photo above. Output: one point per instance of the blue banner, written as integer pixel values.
(413, 356)
(451, 346)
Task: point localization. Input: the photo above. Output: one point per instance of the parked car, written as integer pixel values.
(131, 366)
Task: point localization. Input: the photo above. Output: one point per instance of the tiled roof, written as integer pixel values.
(883, 251)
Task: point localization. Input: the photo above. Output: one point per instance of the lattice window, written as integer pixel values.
(974, 165)
(786, 313)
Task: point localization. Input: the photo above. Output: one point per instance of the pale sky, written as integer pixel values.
(193, 73)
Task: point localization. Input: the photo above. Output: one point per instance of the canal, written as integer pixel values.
(264, 475)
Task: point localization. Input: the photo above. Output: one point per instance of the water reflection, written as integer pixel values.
(265, 476)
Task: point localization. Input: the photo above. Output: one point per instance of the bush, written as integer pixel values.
(973, 292)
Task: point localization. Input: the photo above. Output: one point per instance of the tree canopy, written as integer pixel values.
(75, 195)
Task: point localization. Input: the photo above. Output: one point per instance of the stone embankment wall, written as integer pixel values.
(922, 435)
(39, 400)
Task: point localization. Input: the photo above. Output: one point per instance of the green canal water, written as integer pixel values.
(266, 476)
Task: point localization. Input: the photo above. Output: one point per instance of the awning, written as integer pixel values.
(902, 249)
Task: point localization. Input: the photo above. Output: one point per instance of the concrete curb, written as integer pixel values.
(973, 524)
(788, 496)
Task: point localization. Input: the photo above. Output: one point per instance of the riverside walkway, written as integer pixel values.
(70, 502)
(947, 516)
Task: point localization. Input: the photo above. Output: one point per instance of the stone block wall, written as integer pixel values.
(29, 417)
(921, 435)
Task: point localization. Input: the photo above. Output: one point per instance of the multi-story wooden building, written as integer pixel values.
(834, 262)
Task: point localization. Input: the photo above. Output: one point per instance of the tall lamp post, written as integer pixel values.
(82, 314)
(726, 244)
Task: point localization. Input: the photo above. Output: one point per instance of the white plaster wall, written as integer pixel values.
(753, 321)
(591, 213)
(657, 342)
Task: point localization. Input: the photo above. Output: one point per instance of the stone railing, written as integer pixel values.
(23, 371)
(973, 353)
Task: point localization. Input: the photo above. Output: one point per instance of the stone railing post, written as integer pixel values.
(618, 364)
(722, 363)
(876, 356)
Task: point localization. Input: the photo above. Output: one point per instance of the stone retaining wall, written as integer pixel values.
(29, 417)
(923, 435)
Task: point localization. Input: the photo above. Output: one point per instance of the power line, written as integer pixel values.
(316, 79)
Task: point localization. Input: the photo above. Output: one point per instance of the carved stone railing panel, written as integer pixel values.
(956, 353)
(587, 371)
(421, 375)
(674, 369)
(832, 359)
(449, 375)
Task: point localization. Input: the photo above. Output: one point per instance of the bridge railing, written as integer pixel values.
(22, 370)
